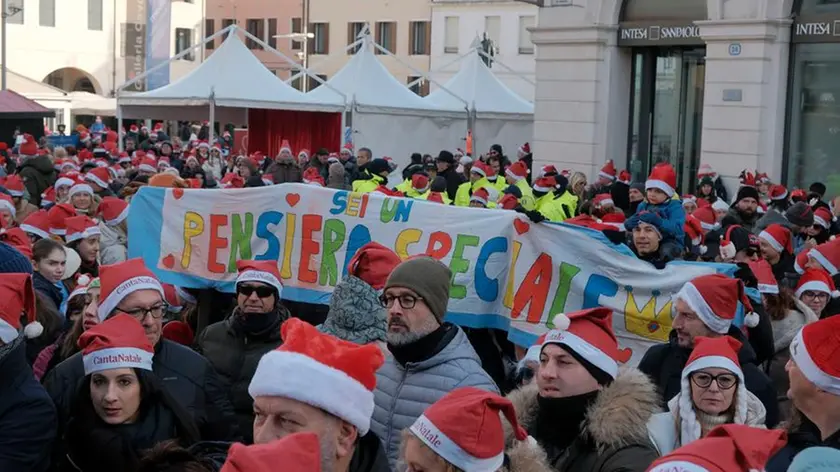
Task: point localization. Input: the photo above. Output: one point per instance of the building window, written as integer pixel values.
(225, 23)
(525, 44)
(320, 44)
(493, 28)
(209, 30)
(272, 32)
(46, 13)
(450, 35)
(313, 84)
(95, 15)
(15, 9)
(418, 86)
(419, 38)
(297, 82)
(354, 29)
(183, 41)
(256, 27)
(297, 27)
(386, 36)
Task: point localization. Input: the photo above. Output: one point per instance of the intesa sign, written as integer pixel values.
(657, 34)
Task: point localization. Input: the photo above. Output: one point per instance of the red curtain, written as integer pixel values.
(303, 129)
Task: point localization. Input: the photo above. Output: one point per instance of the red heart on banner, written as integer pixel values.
(292, 198)
(624, 355)
(521, 226)
(168, 261)
(177, 193)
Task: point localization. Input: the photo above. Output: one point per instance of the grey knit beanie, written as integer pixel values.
(428, 278)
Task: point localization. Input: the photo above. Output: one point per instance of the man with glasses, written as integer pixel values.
(429, 356)
(235, 345)
(130, 288)
(706, 306)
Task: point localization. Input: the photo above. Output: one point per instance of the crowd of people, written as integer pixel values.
(105, 368)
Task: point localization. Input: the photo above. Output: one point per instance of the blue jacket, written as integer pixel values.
(670, 222)
(27, 415)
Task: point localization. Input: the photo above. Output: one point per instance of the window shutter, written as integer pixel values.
(427, 47)
(326, 43)
(393, 38)
(412, 37)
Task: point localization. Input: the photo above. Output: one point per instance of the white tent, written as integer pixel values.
(229, 82)
(501, 116)
(86, 103)
(389, 118)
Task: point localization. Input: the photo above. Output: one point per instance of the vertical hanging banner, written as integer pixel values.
(134, 35)
(158, 40)
(507, 273)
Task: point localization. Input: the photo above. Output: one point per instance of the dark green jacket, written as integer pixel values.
(38, 175)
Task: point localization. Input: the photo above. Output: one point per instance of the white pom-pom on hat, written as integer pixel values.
(751, 319)
(33, 330)
(835, 294)
(83, 279)
(561, 322)
(703, 250)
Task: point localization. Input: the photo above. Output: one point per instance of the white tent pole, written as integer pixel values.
(173, 58)
(418, 72)
(343, 126)
(120, 145)
(526, 79)
(453, 61)
(311, 67)
(212, 126)
(290, 61)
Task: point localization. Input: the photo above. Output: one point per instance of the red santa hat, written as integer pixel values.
(483, 169)
(100, 176)
(285, 147)
(602, 199)
(715, 298)
(481, 196)
(816, 351)
(435, 197)
(116, 343)
(823, 217)
(608, 170)
(81, 227)
(58, 216)
(147, 164)
(507, 202)
(304, 152)
(268, 179)
(260, 271)
(764, 273)
(545, 184)
(828, 255)
(546, 170)
(348, 146)
(173, 301)
(727, 448)
(706, 217)
(721, 353)
(17, 295)
(747, 178)
(816, 280)
(689, 198)
(14, 184)
(48, 197)
(705, 170)
(420, 182)
(694, 229)
(333, 158)
(203, 144)
(778, 237)
(624, 177)
(37, 223)
(112, 210)
(7, 204)
(158, 127)
(17, 238)
(298, 452)
(525, 149)
(163, 162)
(322, 371)
(762, 178)
(373, 263)
(662, 177)
(65, 180)
(118, 281)
(29, 147)
(232, 180)
(310, 175)
(80, 187)
(517, 171)
(465, 428)
(801, 260)
(82, 282)
(777, 192)
(589, 333)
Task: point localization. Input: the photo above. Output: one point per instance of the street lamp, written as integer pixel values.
(303, 37)
(5, 12)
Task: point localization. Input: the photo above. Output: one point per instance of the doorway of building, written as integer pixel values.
(666, 111)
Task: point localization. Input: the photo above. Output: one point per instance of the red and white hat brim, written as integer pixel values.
(658, 184)
(88, 232)
(483, 201)
(119, 218)
(828, 266)
(117, 358)
(127, 287)
(583, 348)
(299, 377)
(146, 168)
(92, 178)
(8, 206)
(36, 231)
(262, 277)
(692, 297)
(818, 220)
(540, 188)
(442, 445)
(780, 197)
(769, 239)
(513, 175)
(720, 362)
(814, 286)
(799, 353)
(15, 193)
(63, 182)
(80, 188)
(771, 289)
(479, 171)
(606, 175)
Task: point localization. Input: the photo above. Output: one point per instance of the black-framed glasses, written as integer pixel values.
(815, 295)
(140, 314)
(263, 291)
(407, 301)
(704, 380)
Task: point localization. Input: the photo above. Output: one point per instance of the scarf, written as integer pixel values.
(559, 420)
(426, 347)
(254, 324)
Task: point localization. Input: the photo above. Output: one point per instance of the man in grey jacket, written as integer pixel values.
(429, 358)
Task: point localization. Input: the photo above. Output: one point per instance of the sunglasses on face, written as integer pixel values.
(704, 380)
(262, 291)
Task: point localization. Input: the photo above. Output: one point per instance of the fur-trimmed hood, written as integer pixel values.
(616, 419)
(526, 456)
(785, 330)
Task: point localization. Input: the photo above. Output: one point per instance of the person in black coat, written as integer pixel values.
(447, 169)
(664, 363)
(27, 415)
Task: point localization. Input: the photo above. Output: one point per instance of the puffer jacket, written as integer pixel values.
(187, 376)
(403, 393)
(113, 245)
(235, 356)
(38, 175)
(285, 171)
(355, 313)
(664, 427)
(784, 331)
(614, 436)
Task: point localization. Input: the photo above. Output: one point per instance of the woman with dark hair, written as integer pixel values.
(49, 263)
(83, 236)
(120, 409)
